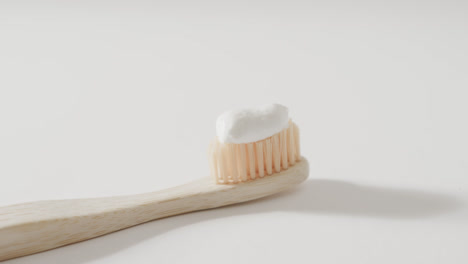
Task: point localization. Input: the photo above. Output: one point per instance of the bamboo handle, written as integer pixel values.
(38, 226)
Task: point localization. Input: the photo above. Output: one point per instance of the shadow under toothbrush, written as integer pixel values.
(312, 197)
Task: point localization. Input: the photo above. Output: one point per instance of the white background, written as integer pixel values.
(102, 98)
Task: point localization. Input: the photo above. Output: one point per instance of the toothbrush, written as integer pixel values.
(255, 154)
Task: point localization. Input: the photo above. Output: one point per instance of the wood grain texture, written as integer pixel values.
(38, 226)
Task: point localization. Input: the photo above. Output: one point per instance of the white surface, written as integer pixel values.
(129, 91)
(250, 124)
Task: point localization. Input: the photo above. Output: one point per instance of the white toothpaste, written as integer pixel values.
(251, 124)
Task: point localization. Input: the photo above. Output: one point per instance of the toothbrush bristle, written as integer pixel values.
(234, 163)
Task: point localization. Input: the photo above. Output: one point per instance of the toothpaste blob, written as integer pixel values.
(247, 125)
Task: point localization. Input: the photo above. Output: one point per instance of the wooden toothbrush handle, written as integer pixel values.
(38, 226)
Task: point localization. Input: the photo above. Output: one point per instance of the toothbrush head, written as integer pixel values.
(237, 162)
